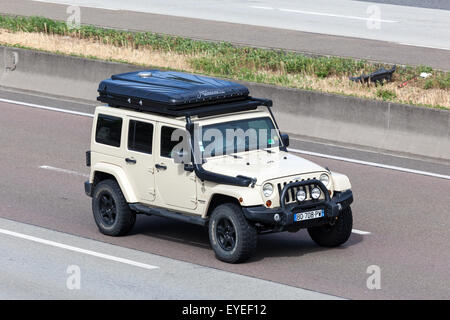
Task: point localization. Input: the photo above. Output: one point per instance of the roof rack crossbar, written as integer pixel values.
(200, 110)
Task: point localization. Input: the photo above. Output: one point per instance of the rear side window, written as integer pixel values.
(108, 130)
(140, 136)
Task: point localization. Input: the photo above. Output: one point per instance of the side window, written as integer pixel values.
(167, 144)
(108, 130)
(140, 136)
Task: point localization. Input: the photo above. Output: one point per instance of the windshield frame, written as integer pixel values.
(236, 118)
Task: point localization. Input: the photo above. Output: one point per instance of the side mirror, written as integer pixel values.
(285, 139)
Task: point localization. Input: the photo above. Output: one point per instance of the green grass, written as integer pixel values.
(386, 95)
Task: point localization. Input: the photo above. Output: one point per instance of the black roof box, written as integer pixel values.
(171, 88)
(175, 93)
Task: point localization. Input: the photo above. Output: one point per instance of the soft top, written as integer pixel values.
(170, 87)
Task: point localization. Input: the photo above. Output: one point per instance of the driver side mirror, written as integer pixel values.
(285, 139)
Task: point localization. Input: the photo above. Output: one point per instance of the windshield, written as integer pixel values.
(238, 136)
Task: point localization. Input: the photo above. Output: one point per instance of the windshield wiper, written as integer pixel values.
(234, 156)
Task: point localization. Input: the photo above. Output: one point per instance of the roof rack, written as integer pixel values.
(176, 94)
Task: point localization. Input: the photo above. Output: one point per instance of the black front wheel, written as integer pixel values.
(232, 237)
(111, 211)
(333, 235)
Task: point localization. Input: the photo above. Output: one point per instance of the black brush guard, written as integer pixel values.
(332, 206)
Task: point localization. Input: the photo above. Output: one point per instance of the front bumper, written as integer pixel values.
(331, 206)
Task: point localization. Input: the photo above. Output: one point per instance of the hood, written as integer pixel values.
(261, 165)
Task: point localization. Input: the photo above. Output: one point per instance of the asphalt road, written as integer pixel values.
(406, 34)
(45, 264)
(406, 215)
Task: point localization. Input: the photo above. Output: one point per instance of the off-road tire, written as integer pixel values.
(245, 234)
(124, 217)
(336, 234)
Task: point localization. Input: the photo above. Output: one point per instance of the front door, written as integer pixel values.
(175, 186)
(139, 158)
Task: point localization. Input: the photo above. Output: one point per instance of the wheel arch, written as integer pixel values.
(103, 171)
(218, 199)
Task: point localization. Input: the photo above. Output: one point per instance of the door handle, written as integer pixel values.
(129, 160)
(160, 167)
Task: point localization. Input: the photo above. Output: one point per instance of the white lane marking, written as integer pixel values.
(79, 250)
(324, 14)
(293, 150)
(372, 164)
(47, 108)
(360, 232)
(261, 7)
(337, 15)
(423, 46)
(75, 173)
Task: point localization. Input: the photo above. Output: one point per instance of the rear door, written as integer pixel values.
(175, 186)
(139, 158)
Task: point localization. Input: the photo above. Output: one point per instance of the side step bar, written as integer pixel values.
(167, 214)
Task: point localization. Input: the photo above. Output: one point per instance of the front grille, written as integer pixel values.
(291, 194)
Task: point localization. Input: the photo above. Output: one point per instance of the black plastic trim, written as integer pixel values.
(138, 207)
(88, 158)
(88, 188)
(204, 109)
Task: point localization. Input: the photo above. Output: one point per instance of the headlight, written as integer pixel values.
(301, 195)
(325, 179)
(267, 189)
(315, 193)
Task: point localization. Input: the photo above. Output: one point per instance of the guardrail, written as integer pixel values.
(342, 119)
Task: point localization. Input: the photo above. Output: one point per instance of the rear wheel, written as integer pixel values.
(111, 211)
(232, 238)
(333, 235)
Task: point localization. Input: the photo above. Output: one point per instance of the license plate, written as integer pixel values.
(308, 215)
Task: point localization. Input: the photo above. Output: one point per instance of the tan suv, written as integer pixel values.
(201, 150)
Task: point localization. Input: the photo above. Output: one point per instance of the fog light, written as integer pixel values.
(301, 195)
(276, 217)
(315, 193)
(268, 203)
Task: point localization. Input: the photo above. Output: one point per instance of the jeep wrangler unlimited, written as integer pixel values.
(203, 151)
